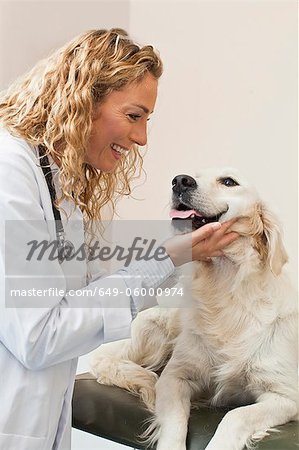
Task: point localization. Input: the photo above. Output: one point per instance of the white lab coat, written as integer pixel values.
(39, 345)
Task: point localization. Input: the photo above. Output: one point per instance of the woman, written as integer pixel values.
(75, 121)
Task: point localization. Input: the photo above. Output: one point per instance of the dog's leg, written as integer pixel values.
(184, 376)
(243, 426)
(171, 413)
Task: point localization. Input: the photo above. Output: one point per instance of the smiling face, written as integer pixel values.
(120, 122)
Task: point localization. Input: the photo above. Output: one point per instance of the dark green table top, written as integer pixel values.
(117, 415)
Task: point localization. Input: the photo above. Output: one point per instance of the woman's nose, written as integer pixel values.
(139, 134)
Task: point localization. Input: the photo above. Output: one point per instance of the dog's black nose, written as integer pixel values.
(183, 183)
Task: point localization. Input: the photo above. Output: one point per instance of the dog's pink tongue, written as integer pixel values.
(176, 214)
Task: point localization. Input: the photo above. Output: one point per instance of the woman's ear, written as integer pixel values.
(268, 239)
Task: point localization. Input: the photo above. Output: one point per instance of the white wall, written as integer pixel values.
(31, 29)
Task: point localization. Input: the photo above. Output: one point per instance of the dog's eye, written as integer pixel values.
(229, 182)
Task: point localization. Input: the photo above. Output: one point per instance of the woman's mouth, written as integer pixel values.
(118, 151)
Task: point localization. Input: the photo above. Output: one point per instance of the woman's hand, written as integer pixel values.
(201, 244)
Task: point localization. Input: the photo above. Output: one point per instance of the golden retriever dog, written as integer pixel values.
(236, 345)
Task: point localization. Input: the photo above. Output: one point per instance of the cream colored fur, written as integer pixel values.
(236, 345)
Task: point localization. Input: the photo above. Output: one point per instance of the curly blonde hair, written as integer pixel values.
(52, 105)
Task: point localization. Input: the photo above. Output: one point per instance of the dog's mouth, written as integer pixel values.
(183, 212)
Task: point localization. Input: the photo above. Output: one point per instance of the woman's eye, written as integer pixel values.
(228, 181)
(134, 116)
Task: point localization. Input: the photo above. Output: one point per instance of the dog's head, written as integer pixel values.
(222, 194)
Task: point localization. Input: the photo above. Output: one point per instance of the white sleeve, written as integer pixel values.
(148, 276)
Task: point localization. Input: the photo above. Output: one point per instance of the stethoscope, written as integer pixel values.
(65, 249)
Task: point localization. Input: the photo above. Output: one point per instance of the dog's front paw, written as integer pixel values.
(170, 446)
(103, 379)
(227, 438)
(214, 444)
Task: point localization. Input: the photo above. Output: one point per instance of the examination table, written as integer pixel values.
(115, 414)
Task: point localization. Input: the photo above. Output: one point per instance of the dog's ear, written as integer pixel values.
(267, 232)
